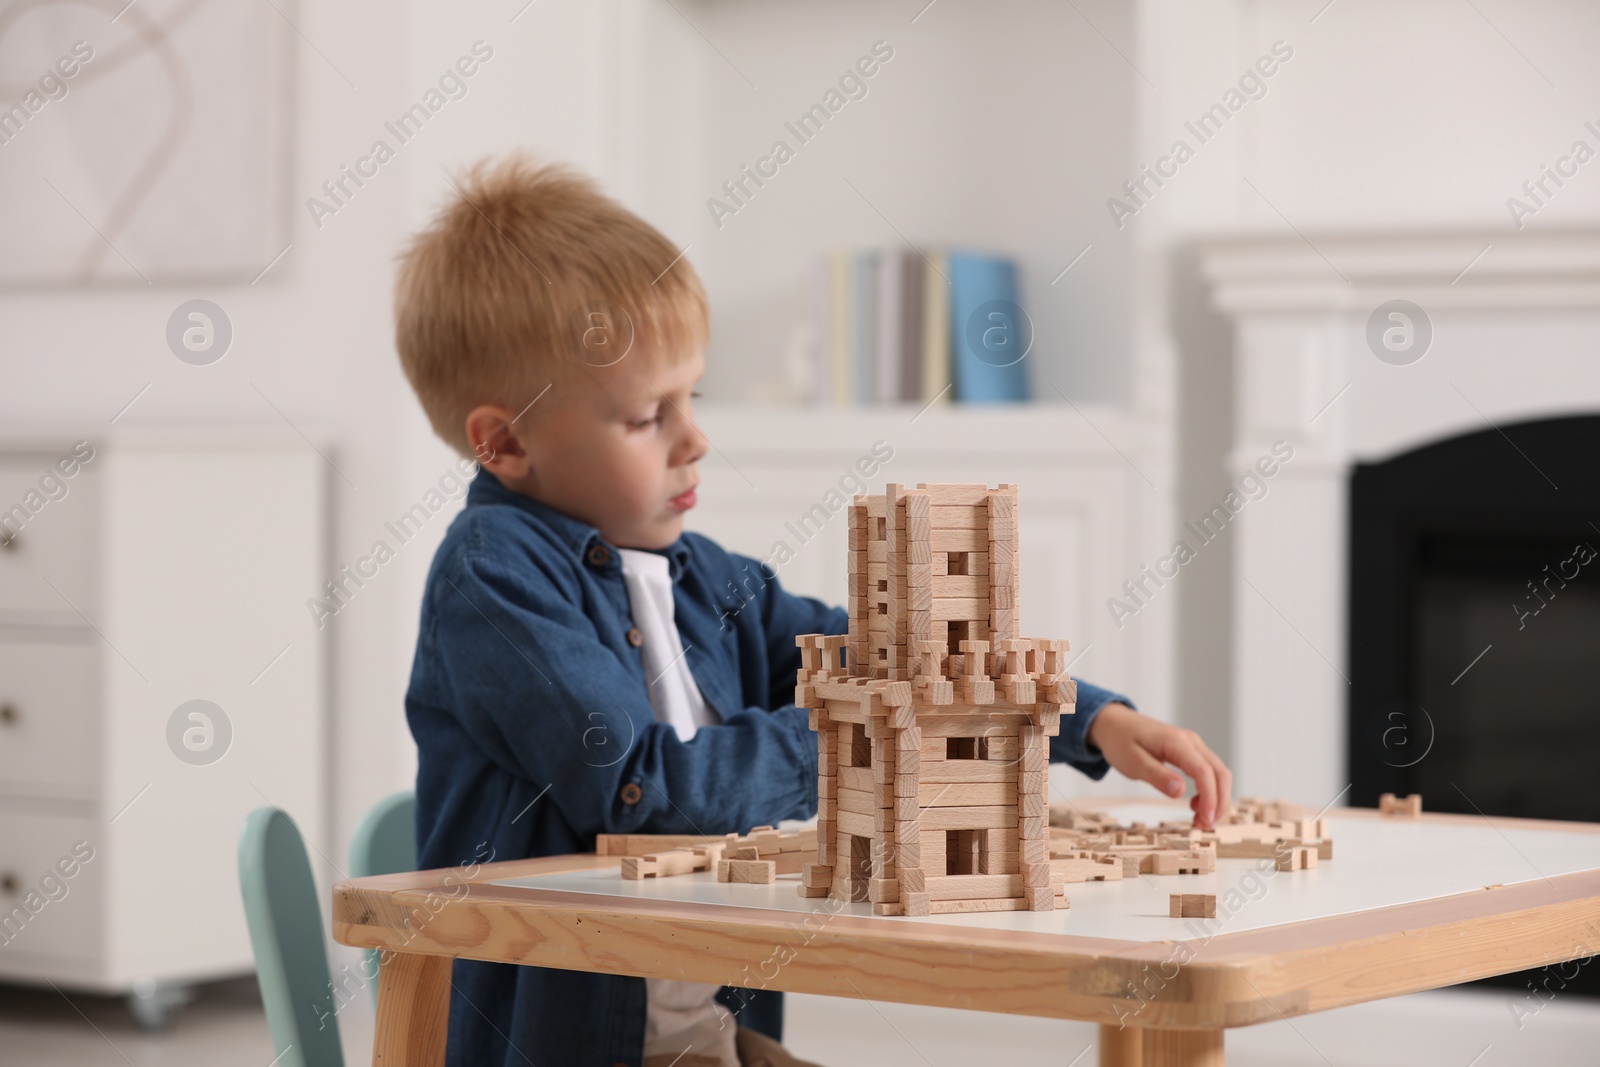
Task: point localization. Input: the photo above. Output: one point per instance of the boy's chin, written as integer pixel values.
(656, 535)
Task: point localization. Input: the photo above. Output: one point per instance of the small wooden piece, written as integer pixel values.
(1296, 858)
(1409, 805)
(1192, 905)
(790, 851)
(1085, 867)
(1172, 861)
(667, 864)
(754, 872)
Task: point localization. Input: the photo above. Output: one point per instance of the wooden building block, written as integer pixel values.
(1035, 874)
(1042, 897)
(1192, 906)
(1296, 858)
(1086, 868)
(957, 907)
(1409, 805)
(758, 872)
(667, 864)
(814, 874)
(1169, 861)
(949, 794)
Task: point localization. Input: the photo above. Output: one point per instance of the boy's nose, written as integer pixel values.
(692, 445)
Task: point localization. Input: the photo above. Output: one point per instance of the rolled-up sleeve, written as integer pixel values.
(1072, 745)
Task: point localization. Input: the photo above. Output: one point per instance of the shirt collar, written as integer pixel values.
(576, 534)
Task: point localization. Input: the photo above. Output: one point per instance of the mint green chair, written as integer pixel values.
(280, 907)
(385, 843)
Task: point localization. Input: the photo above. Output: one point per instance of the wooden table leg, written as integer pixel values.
(413, 1011)
(1121, 1047)
(1189, 1048)
(1133, 1047)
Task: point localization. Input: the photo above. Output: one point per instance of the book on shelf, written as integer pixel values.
(895, 325)
(990, 333)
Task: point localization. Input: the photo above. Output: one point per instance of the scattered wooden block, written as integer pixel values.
(754, 872)
(1409, 805)
(1296, 858)
(667, 864)
(1086, 867)
(1172, 861)
(1192, 906)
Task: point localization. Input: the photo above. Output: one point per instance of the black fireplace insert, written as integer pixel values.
(1475, 626)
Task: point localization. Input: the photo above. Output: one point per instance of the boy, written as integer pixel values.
(584, 665)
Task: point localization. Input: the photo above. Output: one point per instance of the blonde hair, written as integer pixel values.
(529, 275)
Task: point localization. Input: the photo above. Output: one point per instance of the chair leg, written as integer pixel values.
(413, 1011)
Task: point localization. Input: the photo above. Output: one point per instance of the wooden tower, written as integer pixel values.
(932, 716)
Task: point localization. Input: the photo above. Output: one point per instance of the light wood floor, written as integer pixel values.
(1441, 1029)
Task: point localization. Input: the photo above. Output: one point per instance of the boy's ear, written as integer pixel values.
(495, 443)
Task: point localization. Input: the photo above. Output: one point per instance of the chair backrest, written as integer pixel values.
(280, 906)
(385, 843)
(386, 840)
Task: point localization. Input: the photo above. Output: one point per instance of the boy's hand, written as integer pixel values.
(1141, 747)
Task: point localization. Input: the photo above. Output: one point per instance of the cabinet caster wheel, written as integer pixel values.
(154, 1006)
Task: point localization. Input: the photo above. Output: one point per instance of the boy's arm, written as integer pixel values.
(785, 616)
(1072, 745)
(1142, 748)
(533, 685)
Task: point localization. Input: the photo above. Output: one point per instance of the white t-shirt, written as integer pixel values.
(680, 1016)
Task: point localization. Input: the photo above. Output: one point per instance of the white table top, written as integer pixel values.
(1377, 863)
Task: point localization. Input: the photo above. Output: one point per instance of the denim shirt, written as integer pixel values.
(530, 708)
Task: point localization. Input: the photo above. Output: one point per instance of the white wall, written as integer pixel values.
(1414, 117)
(314, 335)
(993, 126)
(1006, 125)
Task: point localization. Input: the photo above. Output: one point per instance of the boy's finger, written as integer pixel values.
(1147, 768)
(1224, 778)
(1224, 781)
(1192, 762)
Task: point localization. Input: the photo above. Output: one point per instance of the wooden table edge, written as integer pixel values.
(1225, 980)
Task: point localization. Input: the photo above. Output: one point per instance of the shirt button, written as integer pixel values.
(631, 793)
(635, 638)
(599, 554)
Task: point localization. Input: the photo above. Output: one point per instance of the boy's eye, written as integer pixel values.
(640, 424)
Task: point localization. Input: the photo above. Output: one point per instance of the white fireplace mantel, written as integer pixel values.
(1515, 321)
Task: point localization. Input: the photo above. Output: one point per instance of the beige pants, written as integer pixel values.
(755, 1050)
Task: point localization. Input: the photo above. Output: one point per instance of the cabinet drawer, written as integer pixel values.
(52, 546)
(50, 899)
(49, 695)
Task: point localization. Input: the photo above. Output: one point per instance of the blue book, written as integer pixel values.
(990, 334)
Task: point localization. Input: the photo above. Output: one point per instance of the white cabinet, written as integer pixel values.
(167, 568)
